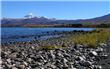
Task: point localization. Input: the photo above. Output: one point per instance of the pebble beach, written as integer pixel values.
(31, 55)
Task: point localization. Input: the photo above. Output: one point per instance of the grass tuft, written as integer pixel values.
(92, 39)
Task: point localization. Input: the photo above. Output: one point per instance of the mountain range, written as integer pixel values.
(39, 21)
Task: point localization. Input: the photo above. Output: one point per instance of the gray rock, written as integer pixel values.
(14, 68)
(32, 47)
(53, 66)
(97, 67)
(29, 59)
(13, 55)
(9, 66)
(103, 44)
(8, 60)
(93, 53)
(85, 63)
(65, 60)
(99, 50)
(1, 67)
(20, 66)
(72, 67)
(79, 58)
(104, 56)
(52, 55)
(25, 63)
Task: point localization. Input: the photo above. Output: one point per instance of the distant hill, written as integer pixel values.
(37, 21)
(23, 22)
(98, 20)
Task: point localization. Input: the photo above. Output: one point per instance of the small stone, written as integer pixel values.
(25, 63)
(103, 44)
(59, 54)
(0, 61)
(53, 56)
(14, 68)
(86, 63)
(65, 65)
(33, 66)
(38, 63)
(8, 60)
(104, 56)
(9, 66)
(99, 50)
(93, 53)
(79, 58)
(21, 66)
(97, 67)
(3, 54)
(29, 59)
(53, 66)
(72, 67)
(66, 55)
(13, 55)
(1, 67)
(32, 47)
(65, 60)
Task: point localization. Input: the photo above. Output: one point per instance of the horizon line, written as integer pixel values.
(55, 18)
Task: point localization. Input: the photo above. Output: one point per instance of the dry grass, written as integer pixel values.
(92, 39)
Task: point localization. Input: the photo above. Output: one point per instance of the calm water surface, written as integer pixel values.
(28, 34)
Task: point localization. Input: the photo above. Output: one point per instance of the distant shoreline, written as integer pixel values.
(63, 26)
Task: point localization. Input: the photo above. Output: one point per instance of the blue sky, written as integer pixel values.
(55, 0)
(56, 9)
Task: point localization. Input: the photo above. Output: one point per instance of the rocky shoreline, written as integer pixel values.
(31, 56)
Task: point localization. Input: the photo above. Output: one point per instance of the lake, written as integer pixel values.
(29, 34)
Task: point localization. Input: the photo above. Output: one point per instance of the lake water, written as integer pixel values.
(28, 34)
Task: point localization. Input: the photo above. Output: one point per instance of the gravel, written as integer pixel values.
(30, 56)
